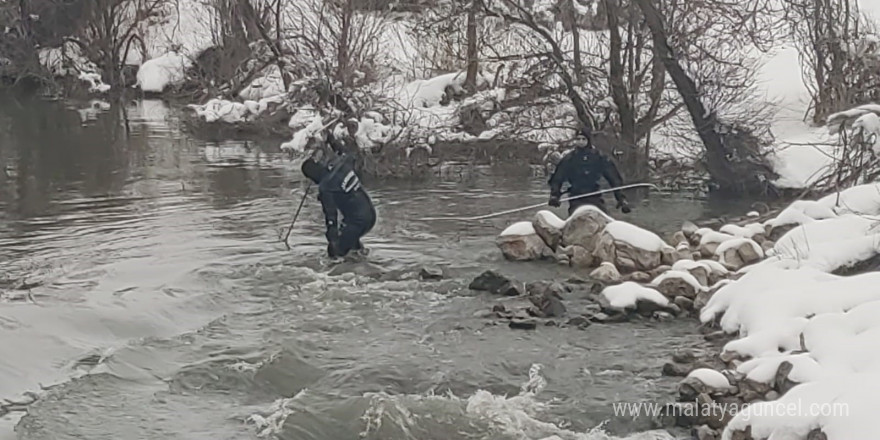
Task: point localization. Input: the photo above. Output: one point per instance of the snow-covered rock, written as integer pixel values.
(520, 242)
(583, 227)
(700, 271)
(549, 227)
(158, 73)
(739, 252)
(675, 283)
(630, 247)
(710, 240)
(627, 295)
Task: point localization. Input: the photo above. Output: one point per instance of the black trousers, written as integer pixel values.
(356, 223)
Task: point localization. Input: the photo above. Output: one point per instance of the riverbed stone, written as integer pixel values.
(490, 281)
(523, 324)
(579, 256)
(549, 227)
(689, 230)
(584, 226)
(684, 356)
(637, 277)
(744, 253)
(675, 369)
(624, 255)
(581, 322)
(783, 383)
(685, 303)
(677, 238)
(704, 432)
(520, 242)
(656, 272)
(606, 273)
(547, 298)
(431, 273)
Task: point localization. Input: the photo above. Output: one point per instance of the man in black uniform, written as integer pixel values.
(340, 190)
(581, 169)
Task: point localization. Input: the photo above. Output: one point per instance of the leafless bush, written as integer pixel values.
(839, 54)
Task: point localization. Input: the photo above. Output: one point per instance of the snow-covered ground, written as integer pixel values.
(790, 307)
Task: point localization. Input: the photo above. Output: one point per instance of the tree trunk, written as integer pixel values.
(473, 63)
(576, 40)
(717, 163)
(342, 61)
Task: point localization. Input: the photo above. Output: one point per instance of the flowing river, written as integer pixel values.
(145, 294)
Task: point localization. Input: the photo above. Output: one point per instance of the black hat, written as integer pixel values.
(313, 170)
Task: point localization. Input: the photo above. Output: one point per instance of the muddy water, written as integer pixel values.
(144, 293)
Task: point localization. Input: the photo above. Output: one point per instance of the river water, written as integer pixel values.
(144, 288)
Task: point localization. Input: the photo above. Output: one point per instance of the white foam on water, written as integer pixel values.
(515, 416)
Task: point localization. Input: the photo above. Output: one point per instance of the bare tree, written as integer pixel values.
(831, 37)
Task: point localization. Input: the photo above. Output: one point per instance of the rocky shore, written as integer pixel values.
(752, 283)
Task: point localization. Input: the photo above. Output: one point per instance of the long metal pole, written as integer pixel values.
(526, 208)
(295, 216)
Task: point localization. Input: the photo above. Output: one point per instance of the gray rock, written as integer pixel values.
(704, 432)
(684, 356)
(783, 383)
(771, 396)
(431, 273)
(659, 270)
(523, 324)
(817, 434)
(638, 277)
(510, 288)
(547, 226)
(676, 369)
(490, 281)
(606, 273)
(685, 303)
(547, 298)
(744, 254)
(689, 229)
(663, 316)
(579, 256)
(583, 227)
(579, 322)
(526, 247)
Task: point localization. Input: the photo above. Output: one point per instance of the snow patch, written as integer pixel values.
(519, 228)
(551, 219)
(625, 295)
(710, 378)
(158, 73)
(682, 275)
(635, 236)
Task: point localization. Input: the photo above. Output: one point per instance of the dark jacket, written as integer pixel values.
(582, 168)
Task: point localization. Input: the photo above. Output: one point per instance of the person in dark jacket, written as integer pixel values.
(340, 191)
(581, 169)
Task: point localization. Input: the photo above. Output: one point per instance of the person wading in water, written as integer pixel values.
(340, 191)
(581, 169)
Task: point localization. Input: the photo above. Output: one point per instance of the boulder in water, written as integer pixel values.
(579, 257)
(606, 273)
(431, 273)
(630, 247)
(547, 298)
(675, 283)
(523, 324)
(549, 227)
(584, 226)
(520, 242)
(490, 281)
